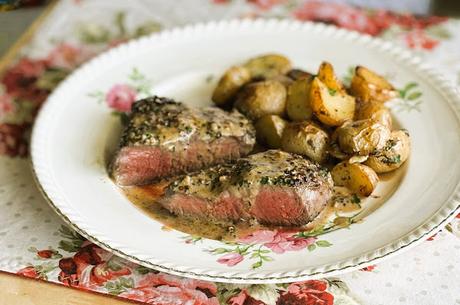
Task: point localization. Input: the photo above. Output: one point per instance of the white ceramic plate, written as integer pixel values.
(74, 131)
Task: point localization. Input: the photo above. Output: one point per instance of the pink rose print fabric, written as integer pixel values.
(73, 261)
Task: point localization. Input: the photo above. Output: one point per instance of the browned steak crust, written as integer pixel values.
(164, 138)
(272, 187)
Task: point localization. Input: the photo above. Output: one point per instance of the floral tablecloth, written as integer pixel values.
(34, 242)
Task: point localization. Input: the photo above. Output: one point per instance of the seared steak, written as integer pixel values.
(271, 187)
(165, 138)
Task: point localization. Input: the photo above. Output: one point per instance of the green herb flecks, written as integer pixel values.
(392, 160)
(390, 144)
(356, 200)
(265, 180)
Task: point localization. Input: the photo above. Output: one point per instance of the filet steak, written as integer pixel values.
(271, 187)
(164, 138)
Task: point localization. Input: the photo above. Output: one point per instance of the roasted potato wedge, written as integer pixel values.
(298, 105)
(335, 151)
(332, 108)
(296, 74)
(357, 177)
(375, 111)
(358, 159)
(327, 75)
(229, 84)
(285, 80)
(362, 137)
(268, 66)
(383, 117)
(334, 148)
(367, 85)
(269, 130)
(262, 98)
(393, 155)
(305, 138)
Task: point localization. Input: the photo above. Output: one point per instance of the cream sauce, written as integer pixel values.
(146, 199)
(161, 122)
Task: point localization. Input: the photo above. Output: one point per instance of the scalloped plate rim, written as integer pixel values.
(402, 244)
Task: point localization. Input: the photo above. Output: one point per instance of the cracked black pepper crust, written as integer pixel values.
(159, 121)
(272, 167)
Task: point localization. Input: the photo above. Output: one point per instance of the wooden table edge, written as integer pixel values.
(13, 51)
(19, 290)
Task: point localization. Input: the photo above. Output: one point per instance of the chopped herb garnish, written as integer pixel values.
(390, 144)
(392, 160)
(265, 180)
(356, 200)
(332, 91)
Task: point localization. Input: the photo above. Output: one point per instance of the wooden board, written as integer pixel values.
(17, 290)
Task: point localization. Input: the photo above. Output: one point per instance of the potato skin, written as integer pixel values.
(335, 151)
(357, 177)
(375, 111)
(362, 137)
(367, 85)
(393, 155)
(269, 130)
(229, 84)
(332, 108)
(268, 66)
(327, 75)
(298, 105)
(262, 98)
(348, 129)
(296, 74)
(305, 138)
(383, 117)
(285, 80)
